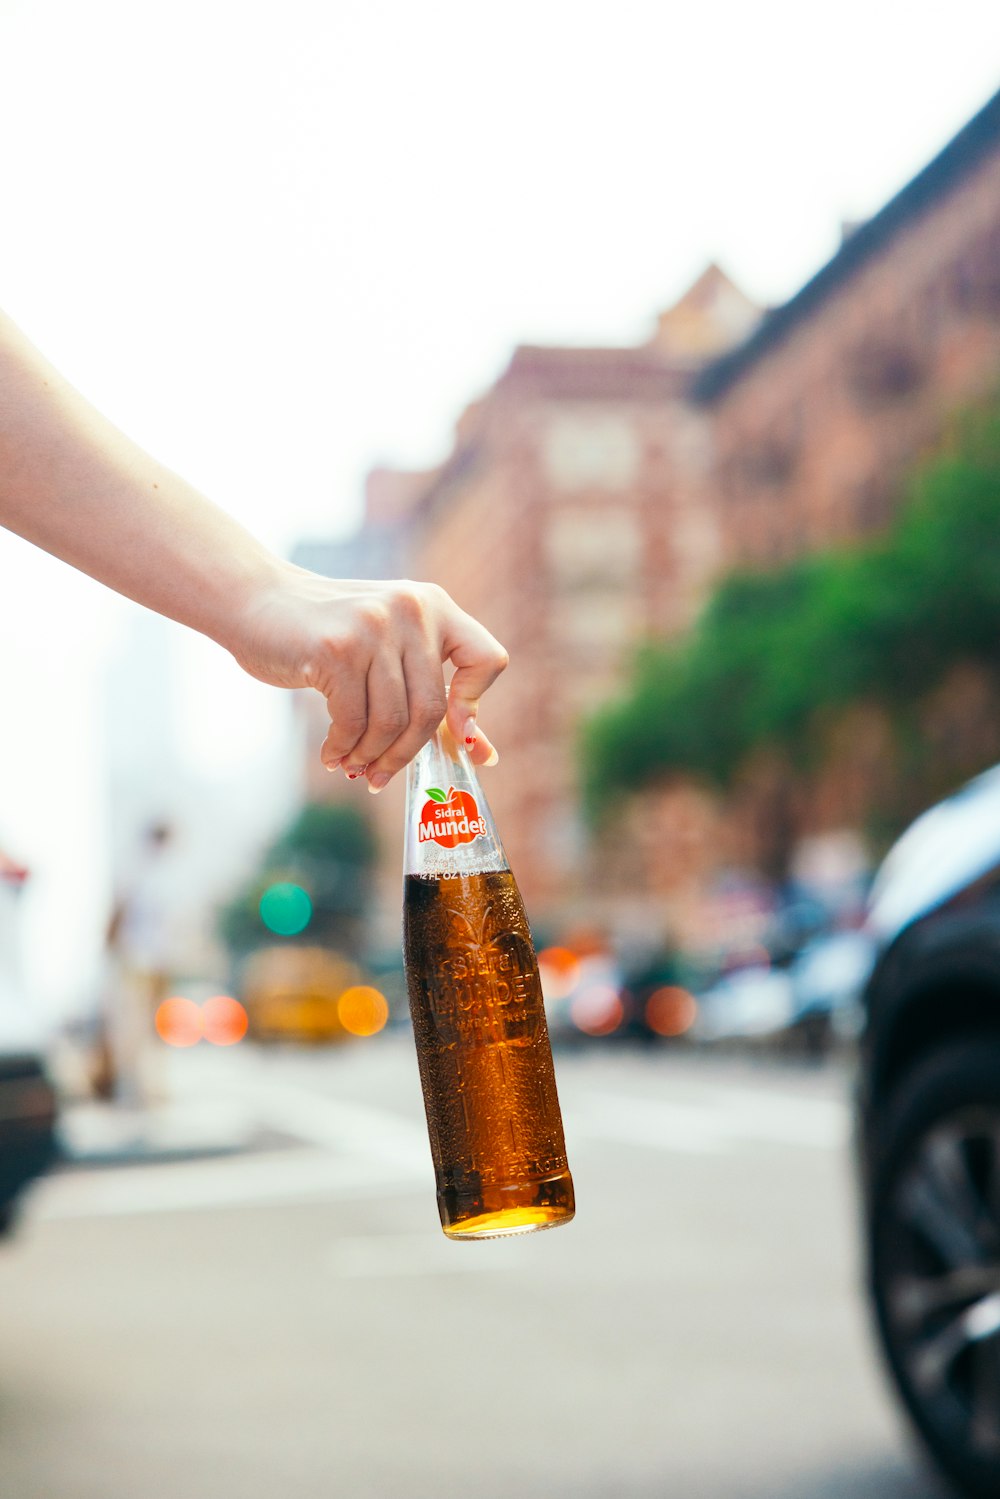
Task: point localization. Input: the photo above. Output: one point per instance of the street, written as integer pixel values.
(280, 1315)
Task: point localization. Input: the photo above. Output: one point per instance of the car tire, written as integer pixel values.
(934, 1256)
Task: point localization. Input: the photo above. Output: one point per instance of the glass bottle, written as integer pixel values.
(478, 1018)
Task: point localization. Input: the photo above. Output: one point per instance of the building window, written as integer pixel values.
(591, 451)
(881, 371)
(975, 278)
(765, 458)
(592, 548)
(597, 625)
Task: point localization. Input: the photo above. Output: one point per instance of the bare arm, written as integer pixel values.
(74, 485)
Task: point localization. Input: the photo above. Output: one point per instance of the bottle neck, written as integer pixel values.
(449, 827)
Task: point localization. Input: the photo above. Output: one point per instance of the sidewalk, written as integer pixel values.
(107, 1134)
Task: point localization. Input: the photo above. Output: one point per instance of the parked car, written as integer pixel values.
(27, 1099)
(291, 993)
(27, 1123)
(751, 1003)
(929, 1129)
(828, 976)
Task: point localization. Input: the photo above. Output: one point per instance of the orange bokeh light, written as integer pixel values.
(178, 1021)
(559, 971)
(362, 1010)
(597, 1010)
(671, 1011)
(224, 1020)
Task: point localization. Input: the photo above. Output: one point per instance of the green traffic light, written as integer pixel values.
(285, 909)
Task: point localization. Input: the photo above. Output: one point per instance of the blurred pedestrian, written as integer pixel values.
(141, 945)
(74, 485)
(13, 879)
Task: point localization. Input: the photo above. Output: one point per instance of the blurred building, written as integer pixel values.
(817, 415)
(593, 497)
(814, 421)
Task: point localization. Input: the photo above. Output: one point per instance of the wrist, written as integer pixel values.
(239, 593)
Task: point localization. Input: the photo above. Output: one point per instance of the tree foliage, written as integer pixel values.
(775, 652)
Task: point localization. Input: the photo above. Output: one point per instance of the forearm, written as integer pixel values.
(74, 485)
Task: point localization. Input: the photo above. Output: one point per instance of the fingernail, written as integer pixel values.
(470, 738)
(469, 730)
(493, 760)
(378, 782)
(354, 771)
(332, 765)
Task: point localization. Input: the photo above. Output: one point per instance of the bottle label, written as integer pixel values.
(450, 819)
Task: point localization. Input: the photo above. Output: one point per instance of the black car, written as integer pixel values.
(27, 1099)
(27, 1125)
(929, 1129)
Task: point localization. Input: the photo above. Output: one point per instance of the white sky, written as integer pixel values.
(277, 243)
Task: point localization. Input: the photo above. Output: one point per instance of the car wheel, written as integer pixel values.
(935, 1256)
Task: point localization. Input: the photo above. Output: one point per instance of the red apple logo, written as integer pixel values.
(450, 820)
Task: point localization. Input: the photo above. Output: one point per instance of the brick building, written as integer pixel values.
(593, 496)
(817, 415)
(814, 421)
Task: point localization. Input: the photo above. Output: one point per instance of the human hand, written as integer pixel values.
(375, 651)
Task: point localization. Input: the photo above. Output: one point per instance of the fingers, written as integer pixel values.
(478, 660)
(388, 714)
(347, 705)
(426, 703)
(385, 689)
(482, 750)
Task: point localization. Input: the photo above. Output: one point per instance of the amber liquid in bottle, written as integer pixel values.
(478, 1018)
(485, 1060)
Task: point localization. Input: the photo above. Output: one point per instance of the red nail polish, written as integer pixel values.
(352, 775)
(470, 739)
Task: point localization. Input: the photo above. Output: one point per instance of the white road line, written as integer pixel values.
(685, 1128)
(725, 1121)
(285, 1176)
(353, 1150)
(429, 1253)
(333, 1124)
(784, 1118)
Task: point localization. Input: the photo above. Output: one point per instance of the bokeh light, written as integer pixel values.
(362, 1010)
(285, 909)
(224, 1020)
(597, 1010)
(178, 1021)
(559, 971)
(671, 1010)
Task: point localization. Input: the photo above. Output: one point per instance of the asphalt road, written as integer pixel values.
(286, 1319)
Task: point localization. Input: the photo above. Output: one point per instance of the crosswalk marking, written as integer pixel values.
(378, 1255)
(723, 1119)
(336, 1124)
(251, 1181)
(350, 1150)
